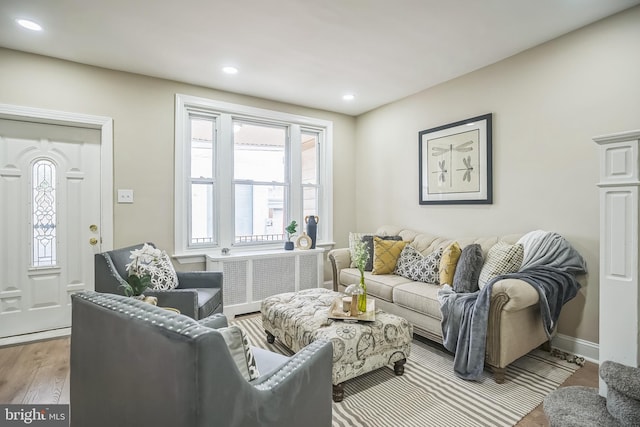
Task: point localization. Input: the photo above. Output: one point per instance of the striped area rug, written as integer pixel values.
(429, 393)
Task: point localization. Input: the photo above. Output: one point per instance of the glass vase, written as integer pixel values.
(362, 298)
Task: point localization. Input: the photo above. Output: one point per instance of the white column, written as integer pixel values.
(619, 276)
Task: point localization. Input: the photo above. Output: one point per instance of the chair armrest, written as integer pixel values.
(304, 382)
(185, 300)
(199, 279)
(215, 321)
(516, 294)
(340, 258)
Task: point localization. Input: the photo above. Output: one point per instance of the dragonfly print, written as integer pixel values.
(439, 151)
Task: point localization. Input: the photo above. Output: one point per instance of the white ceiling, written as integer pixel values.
(298, 51)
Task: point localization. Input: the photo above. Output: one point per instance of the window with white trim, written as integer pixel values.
(243, 174)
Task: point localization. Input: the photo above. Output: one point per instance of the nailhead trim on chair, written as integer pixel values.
(146, 312)
(296, 361)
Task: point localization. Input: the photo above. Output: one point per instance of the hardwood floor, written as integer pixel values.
(39, 373)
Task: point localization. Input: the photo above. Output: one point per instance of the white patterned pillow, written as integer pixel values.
(415, 266)
(163, 275)
(240, 350)
(501, 259)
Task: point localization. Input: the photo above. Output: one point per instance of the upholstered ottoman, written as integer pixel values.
(299, 318)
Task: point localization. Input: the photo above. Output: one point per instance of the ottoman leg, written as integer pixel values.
(398, 367)
(338, 392)
(270, 338)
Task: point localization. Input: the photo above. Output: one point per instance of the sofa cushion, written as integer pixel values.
(419, 297)
(240, 350)
(379, 286)
(385, 255)
(415, 266)
(501, 259)
(448, 263)
(468, 269)
(368, 240)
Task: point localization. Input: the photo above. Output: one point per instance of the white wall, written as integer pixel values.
(547, 104)
(143, 112)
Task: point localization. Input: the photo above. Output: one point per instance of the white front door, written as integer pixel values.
(49, 222)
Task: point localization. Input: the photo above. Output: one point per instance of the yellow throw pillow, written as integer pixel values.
(385, 255)
(448, 263)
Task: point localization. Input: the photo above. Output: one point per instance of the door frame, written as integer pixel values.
(105, 126)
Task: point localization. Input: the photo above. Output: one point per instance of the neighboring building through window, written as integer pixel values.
(242, 174)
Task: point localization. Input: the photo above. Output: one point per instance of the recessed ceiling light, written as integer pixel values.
(349, 97)
(230, 70)
(30, 25)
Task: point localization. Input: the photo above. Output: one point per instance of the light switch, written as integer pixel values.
(125, 196)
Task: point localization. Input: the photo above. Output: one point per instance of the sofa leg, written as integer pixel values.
(546, 346)
(499, 374)
(338, 392)
(270, 338)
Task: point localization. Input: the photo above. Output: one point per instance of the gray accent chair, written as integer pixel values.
(198, 295)
(136, 365)
(579, 406)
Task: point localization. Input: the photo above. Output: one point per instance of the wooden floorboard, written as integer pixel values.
(39, 373)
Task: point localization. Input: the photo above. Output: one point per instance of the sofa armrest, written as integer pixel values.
(302, 386)
(199, 279)
(185, 300)
(215, 321)
(340, 258)
(514, 294)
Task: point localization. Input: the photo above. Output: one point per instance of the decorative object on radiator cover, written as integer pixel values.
(312, 228)
(290, 230)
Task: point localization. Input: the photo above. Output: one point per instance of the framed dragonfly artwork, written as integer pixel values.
(455, 163)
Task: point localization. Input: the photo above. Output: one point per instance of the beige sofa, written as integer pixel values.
(515, 326)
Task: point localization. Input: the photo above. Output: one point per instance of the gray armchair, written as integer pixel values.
(198, 295)
(135, 364)
(579, 406)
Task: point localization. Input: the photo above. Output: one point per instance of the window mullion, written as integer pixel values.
(295, 174)
(225, 201)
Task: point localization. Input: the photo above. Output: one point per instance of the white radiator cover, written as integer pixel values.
(249, 277)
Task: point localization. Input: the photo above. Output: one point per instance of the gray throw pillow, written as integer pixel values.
(368, 240)
(468, 269)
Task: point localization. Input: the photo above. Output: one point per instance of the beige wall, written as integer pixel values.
(547, 104)
(142, 109)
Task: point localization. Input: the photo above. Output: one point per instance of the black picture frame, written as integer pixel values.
(455, 163)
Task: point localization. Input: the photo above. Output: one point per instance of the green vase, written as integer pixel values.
(362, 298)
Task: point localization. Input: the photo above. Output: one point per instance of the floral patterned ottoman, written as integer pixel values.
(299, 318)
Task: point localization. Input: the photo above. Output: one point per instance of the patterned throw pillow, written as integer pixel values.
(448, 263)
(368, 240)
(501, 259)
(415, 266)
(163, 275)
(385, 255)
(240, 350)
(468, 269)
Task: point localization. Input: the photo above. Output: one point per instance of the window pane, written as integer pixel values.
(259, 152)
(201, 148)
(44, 214)
(202, 213)
(309, 158)
(259, 213)
(309, 201)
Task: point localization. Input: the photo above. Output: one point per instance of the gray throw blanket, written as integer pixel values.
(465, 315)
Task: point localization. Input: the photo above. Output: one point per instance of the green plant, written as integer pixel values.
(291, 229)
(139, 278)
